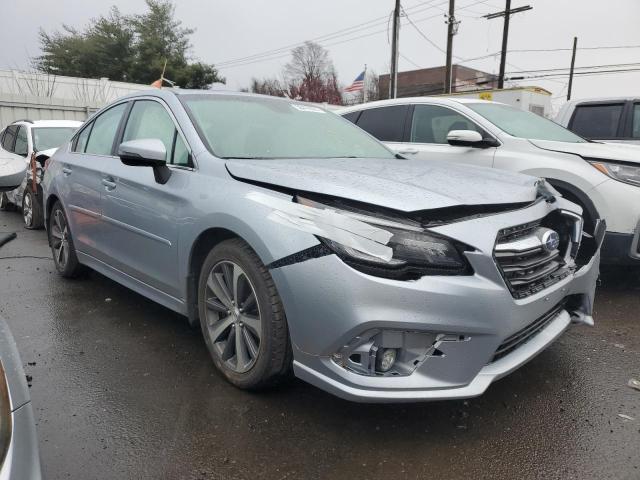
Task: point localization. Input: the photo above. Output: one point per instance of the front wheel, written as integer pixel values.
(32, 211)
(64, 253)
(242, 317)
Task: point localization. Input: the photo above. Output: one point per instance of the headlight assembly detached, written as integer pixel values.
(416, 252)
(619, 171)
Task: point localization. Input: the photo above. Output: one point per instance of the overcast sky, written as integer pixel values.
(241, 28)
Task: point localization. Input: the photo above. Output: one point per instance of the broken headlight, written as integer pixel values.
(416, 252)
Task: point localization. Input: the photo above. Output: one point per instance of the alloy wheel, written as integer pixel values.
(232, 316)
(60, 238)
(27, 210)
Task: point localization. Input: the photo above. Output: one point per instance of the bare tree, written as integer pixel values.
(308, 62)
(309, 76)
(32, 82)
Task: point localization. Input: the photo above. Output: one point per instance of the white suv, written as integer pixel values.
(603, 178)
(23, 139)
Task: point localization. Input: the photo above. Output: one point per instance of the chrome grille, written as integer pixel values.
(528, 261)
(527, 333)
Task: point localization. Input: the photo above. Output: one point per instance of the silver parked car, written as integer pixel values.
(295, 239)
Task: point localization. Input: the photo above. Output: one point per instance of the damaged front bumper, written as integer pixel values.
(473, 331)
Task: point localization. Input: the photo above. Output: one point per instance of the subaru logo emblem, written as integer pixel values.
(550, 240)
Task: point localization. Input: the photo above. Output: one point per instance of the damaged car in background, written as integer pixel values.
(32, 142)
(299, 242)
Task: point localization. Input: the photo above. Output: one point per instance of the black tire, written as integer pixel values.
(274, 356)
(5, 204)
(32, 210)
(65, 258)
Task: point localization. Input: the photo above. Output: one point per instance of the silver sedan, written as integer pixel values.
(298, 242)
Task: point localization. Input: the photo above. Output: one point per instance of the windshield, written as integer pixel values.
(520, 123)
(236, 126)
(45, 138)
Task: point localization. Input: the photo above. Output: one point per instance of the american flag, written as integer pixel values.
(357, 85)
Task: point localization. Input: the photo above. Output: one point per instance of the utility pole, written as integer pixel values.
(505, 34)
(393, 76)
(452, 29)
(573, 63)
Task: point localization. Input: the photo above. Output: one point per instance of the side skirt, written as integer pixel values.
(134, 284)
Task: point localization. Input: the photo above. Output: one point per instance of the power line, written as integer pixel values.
(605, 47)
(285, 50)
(542, 70)
(431, 42)
(335, 34)
(587, 73)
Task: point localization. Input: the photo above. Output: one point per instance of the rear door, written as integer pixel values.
(142, 217)
(427, 136)
(83, 168)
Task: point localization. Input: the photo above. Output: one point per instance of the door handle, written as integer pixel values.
(408, 150)
(109, 183)
(66, 171)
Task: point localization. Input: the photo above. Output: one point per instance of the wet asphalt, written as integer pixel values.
(123, 388)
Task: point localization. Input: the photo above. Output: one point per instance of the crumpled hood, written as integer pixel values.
(405, 185)
(602, 151)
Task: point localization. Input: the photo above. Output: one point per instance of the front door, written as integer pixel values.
(142, 216)
(427, 138)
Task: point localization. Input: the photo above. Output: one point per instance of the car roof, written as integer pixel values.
(166, 93)
(412, 100)
(49, 123)
(602, 99)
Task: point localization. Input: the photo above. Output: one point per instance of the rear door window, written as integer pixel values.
(635, 123)
(9, 138)
(22, 143)
(104, 131)
(599, 121)
(432, 123)
(384, 123)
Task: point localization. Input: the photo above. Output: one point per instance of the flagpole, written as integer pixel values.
(364, 85)
(163, 70)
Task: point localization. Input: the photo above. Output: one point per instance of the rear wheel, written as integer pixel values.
(242, 317)
(31, 210)
(64, 253)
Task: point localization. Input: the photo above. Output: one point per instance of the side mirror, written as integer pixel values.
(146, 152)
(464, 138)
(12, 173)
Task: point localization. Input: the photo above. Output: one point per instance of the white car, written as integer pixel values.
(21, 140)
(603, 178)
(611, 119)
